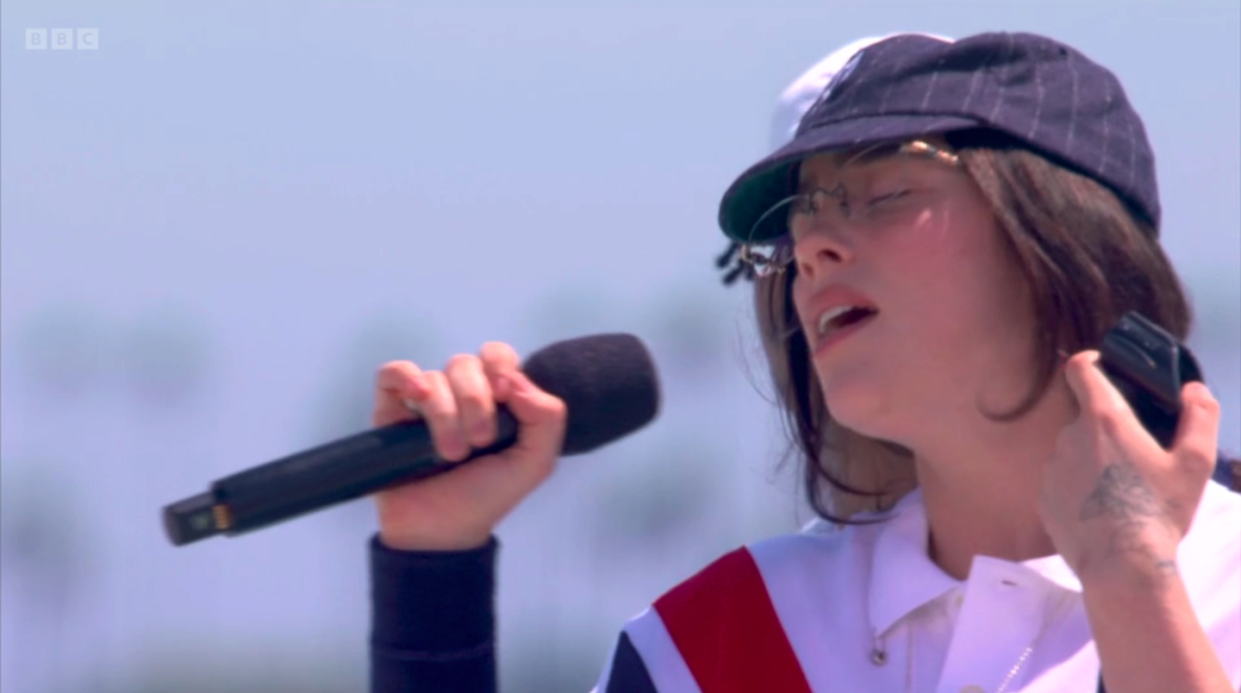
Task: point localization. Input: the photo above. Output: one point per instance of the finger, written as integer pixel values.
(542, 417)
(499, 361)
(1097, 398)
(1080, 372)
(1197, 433)
(475, 404)
(439, 409)
(395, 383)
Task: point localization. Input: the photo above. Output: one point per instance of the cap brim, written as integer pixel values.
(767, 182)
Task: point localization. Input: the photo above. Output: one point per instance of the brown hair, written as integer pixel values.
(1087, 257)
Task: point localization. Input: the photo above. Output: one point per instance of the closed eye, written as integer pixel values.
(890, 197)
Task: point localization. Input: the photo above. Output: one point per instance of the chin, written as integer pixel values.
(857, 403)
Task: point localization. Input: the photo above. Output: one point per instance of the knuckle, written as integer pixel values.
(440, 394)
(460, 362)
(436, 380)
(556, 408)
(497, 351)
(473, 401)
(1108, 415)
(393, 369)
(1200, 459)
(1209, 405)
(395, 365)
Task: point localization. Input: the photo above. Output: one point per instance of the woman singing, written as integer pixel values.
(936, 254)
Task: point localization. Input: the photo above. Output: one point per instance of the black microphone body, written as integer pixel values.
(608, 383)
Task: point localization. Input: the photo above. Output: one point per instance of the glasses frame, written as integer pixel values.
(763, 267)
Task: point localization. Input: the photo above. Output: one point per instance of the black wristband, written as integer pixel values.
(433, 601)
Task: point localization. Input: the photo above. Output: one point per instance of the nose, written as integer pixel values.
(820, 250)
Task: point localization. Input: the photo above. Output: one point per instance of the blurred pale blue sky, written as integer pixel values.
(238, 208)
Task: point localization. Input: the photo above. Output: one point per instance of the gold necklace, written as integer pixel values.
(879, 654)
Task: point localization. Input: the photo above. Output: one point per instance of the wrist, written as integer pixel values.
(1146, 572)
(413, 541)
(1139, 555)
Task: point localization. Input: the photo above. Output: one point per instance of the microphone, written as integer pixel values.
(608, 383)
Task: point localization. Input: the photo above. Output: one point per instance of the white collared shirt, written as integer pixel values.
(838, 595)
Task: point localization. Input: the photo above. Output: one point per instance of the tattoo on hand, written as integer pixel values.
(1123, 495)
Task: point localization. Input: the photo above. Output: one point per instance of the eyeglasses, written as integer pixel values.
(875, 187)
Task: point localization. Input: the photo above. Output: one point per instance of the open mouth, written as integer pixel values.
(841, 321)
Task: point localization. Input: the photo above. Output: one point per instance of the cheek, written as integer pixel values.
(951, 287)
(933, 268)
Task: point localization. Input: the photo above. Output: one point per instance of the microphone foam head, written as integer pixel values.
(608, 383)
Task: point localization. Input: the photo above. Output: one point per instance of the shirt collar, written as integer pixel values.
(1055, 570)
(903, 577)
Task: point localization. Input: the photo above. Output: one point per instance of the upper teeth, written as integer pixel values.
(826, 318)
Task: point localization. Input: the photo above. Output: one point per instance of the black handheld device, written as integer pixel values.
(1149, 367)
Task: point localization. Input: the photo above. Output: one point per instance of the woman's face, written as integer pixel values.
(952, 325)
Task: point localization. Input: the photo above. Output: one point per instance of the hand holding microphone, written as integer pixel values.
(510, 423)
(459, 404)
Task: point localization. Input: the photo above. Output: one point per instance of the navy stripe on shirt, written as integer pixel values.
(629, 674)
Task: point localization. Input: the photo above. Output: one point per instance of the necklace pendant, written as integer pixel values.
(879, 657)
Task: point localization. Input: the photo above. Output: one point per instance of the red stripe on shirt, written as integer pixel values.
(727, 631)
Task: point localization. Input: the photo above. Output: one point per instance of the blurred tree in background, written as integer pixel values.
(184, 667)
(692, 330)
(45, 555)
(166, 358)
(62, 352)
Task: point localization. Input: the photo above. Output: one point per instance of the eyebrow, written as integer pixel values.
(805, 186)
(857, 155)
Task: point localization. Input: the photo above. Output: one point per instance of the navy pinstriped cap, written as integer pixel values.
(1040, 91)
